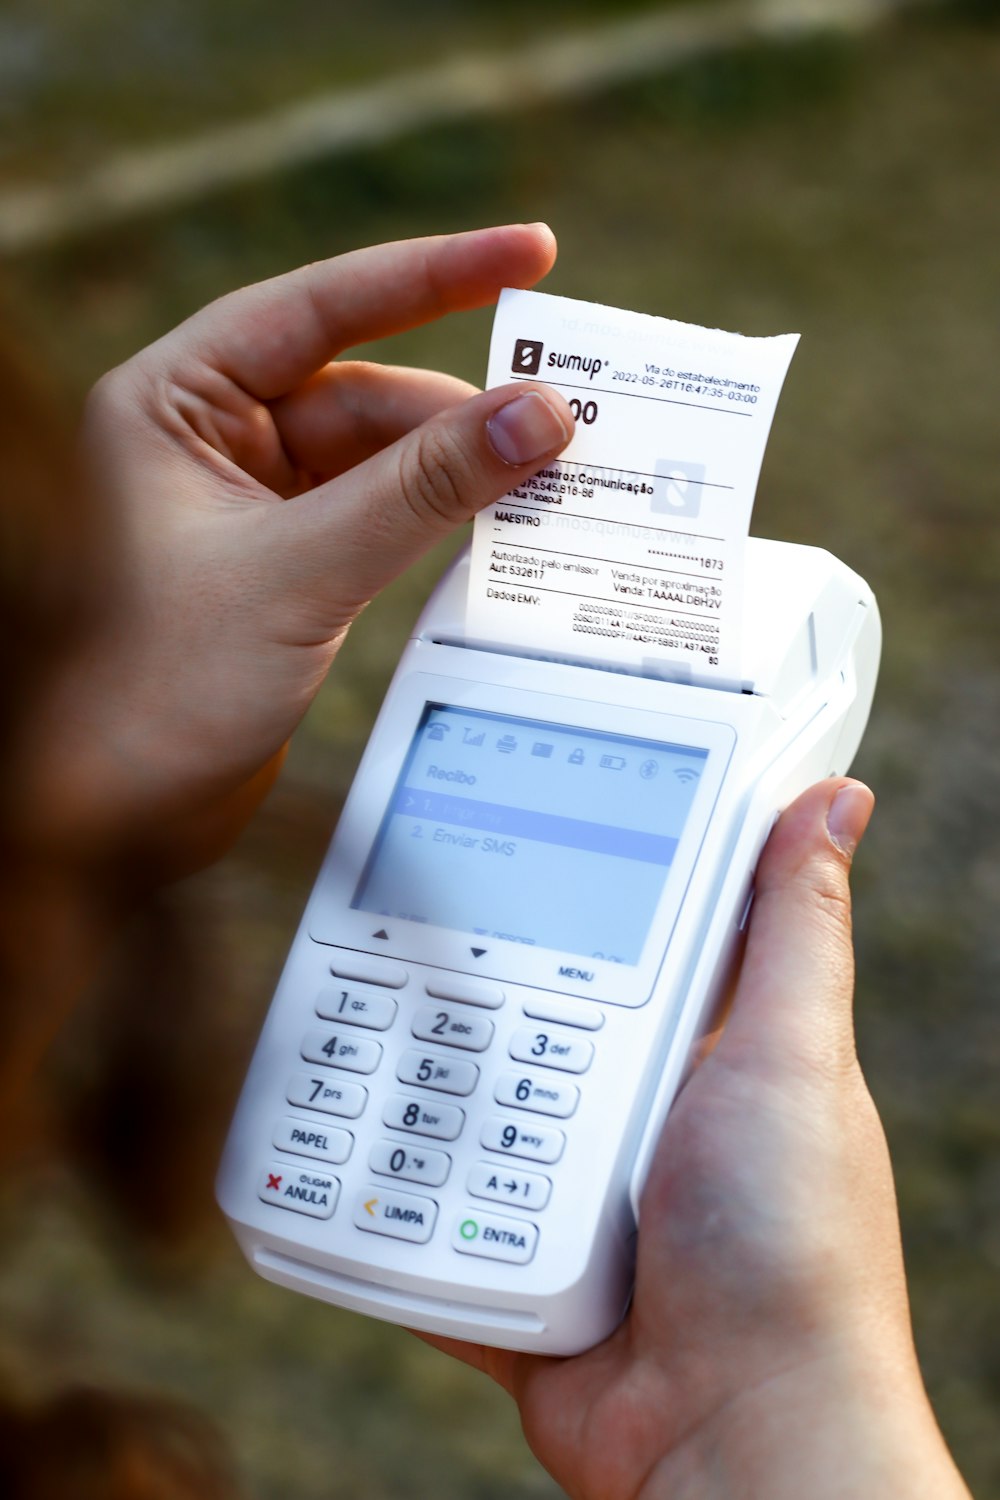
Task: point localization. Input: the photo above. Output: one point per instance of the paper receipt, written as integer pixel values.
(628, 550)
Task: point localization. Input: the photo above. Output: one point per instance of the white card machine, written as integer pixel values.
(522, 927)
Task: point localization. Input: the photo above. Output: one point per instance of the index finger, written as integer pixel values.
(270, 337)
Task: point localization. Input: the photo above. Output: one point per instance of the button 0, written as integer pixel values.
(533, 1142)
(448, 1074)
(551, 1049)
(410, 1163)
(469, 991)
(494, 1238)
(327, 1094)
(453, 1027)
(307, 1138)
(305, 1190)
(356, 1008)
(525, 1189)
(355, 1053)
(369, 970)
(402, 1216)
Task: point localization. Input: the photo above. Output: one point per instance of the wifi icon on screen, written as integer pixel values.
(686, 774)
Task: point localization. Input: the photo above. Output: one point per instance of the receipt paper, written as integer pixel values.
(628, 550)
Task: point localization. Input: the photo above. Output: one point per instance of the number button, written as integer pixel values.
(546, 1096)
(526, 1189)
(445, 1073)
(533, 1142)
(412, 1163)
(327, 1094)
(454, 1028)
(355, 1053)
(442, 1121)
(356, 1008)
(551, 1049)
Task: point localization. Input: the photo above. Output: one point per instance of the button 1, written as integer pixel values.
(453, 1027)
(307, 1138)
(403, 1216)
(355, 1053)
(471, 991)
(369, 970)
(525, 1189)
(551, 1049)
(422, 1117)
(533, 1142)
(546, 1096)
(327, 1094)
(476, 1233)
(305, 1190)
(411, 1163)
(448, 1074)
(565, 1013)
(356, 1008)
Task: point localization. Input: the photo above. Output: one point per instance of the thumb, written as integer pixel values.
(350, 537)
(794, 1000)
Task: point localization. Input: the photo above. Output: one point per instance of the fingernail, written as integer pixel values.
(525, 429)
(848, 816)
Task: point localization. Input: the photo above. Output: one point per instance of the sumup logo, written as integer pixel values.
(527, 357)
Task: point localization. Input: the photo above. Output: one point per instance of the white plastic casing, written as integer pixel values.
(811, 646)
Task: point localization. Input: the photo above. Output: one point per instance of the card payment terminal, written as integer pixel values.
(521, 928)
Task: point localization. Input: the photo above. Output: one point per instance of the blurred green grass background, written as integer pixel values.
(842, 188)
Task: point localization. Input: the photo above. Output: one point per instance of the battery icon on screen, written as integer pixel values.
(612, 762)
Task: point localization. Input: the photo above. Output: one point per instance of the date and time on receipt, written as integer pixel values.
(628, 549)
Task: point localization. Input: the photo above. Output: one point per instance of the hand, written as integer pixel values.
(254, 497)
(768, 1349)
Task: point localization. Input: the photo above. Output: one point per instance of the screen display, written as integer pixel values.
(534, 833)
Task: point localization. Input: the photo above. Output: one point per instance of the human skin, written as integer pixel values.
(767, 1354)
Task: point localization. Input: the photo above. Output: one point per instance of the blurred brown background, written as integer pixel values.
(839, 184)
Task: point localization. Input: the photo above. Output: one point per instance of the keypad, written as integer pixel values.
(448, 1014)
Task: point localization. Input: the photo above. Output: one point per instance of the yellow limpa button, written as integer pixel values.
(402, 1216)
(477, 1233)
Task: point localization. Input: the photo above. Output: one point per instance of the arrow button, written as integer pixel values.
(526, 1189)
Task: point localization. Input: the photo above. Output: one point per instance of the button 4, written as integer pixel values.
(355, 1053)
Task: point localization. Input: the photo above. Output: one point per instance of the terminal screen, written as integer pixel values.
(535, 833)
